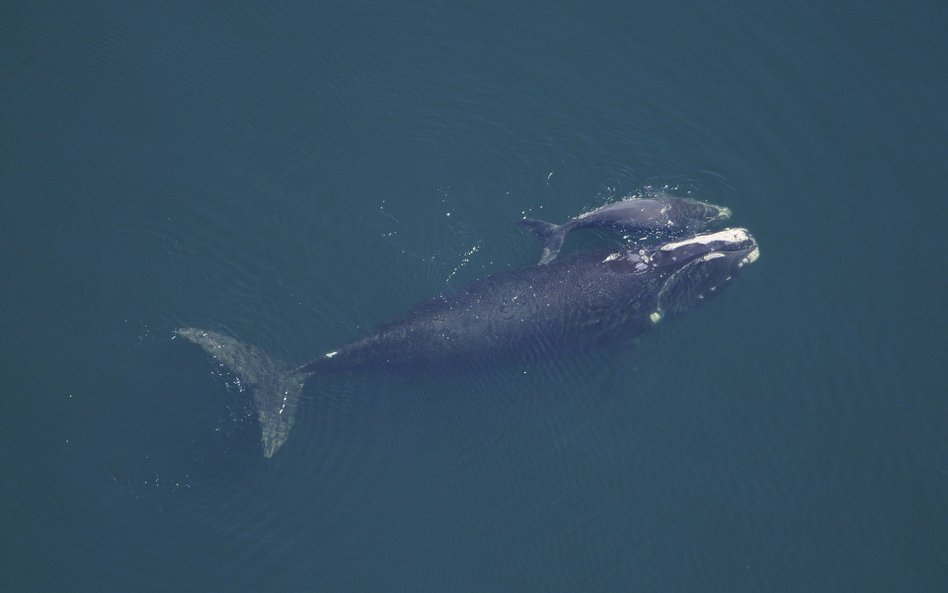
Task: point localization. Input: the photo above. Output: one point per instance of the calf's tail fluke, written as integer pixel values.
(551, 235)
(276, 387)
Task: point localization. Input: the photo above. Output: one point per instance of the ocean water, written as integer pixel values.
(293, 173)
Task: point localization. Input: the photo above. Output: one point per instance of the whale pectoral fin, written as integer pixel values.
(276, 388)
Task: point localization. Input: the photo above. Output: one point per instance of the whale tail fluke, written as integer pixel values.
(551, 235)
(276, 386)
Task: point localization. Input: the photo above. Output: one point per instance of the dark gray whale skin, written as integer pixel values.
(590, 300)
(662, 214)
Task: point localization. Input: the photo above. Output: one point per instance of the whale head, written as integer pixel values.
(692, 215)
(697, 268)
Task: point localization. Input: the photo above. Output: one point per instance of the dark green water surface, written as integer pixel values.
(293, 173)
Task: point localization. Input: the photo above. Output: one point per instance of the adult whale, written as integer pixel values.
(659, 213)
(584, 301)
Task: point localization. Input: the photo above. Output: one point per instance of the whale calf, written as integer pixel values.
(662, 213)
(579, 302)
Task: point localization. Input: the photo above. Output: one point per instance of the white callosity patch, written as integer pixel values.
(751, 257)
(737, 235)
